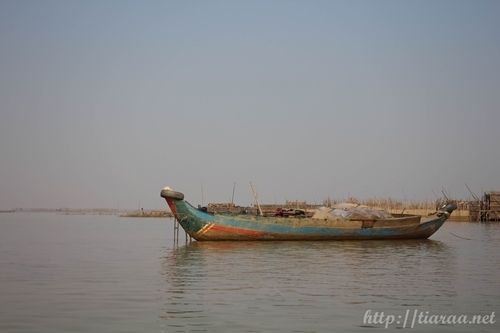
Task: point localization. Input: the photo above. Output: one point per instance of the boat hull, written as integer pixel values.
(207, 227)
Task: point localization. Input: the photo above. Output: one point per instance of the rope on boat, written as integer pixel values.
(459, 236)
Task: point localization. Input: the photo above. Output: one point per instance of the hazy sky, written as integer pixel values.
(103, 103)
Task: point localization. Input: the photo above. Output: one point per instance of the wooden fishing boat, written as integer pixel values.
(203, 226)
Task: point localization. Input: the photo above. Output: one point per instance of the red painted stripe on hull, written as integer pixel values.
(218, 229)
(171, 205)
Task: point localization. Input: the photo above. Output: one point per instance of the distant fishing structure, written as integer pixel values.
(486, 209)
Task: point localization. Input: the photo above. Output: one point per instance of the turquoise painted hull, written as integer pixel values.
(207, 227)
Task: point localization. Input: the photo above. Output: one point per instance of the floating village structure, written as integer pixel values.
(487, 208)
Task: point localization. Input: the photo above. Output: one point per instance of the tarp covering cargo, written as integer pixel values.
(350, 212)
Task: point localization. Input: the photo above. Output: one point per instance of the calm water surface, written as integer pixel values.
(66, 273)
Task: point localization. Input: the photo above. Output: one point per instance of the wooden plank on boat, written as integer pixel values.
(398, 222)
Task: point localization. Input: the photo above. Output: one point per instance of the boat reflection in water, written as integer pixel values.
(241, 286)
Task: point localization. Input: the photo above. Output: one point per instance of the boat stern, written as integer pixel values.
(447, 209)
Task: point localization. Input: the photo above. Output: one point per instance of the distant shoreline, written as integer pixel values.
(93, 211)
(147, 213)
(69, 211)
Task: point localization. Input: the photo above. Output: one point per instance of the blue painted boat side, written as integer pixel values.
(190, 218)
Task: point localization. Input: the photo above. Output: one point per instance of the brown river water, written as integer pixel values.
(90, 273)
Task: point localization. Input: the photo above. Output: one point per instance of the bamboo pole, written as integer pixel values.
(232, 198)
(256, 199)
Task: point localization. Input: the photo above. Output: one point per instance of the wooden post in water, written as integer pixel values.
(176, 231)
